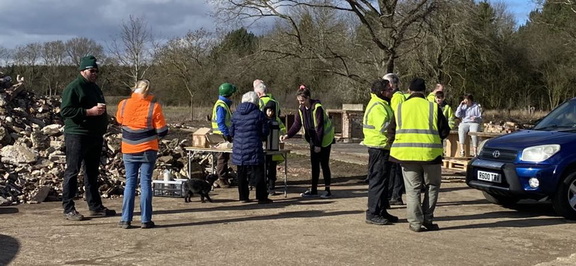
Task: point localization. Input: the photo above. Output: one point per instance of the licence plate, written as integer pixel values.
(489, 176)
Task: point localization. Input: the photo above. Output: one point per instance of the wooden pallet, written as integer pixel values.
(455, 163)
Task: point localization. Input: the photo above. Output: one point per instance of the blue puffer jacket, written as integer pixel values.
(249, 128)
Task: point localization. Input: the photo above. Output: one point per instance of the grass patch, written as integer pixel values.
(517, 116)
(175, 114)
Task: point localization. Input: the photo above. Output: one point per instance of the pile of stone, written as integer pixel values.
(32, 159)
(501, 127)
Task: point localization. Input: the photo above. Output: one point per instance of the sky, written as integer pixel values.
(28, 21)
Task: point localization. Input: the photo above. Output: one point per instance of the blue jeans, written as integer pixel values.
(134, 163)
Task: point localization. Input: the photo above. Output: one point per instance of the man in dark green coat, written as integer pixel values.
(85, 121)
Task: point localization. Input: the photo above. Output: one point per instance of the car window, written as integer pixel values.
(563, 117)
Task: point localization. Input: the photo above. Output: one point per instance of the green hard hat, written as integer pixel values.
(226, 89)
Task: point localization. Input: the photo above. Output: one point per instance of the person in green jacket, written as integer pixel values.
(446, 109)
(83, 109)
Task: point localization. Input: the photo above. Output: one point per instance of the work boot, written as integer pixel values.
(431, 226)
(377, 220)
(73, 216)
(148, 225)
(416, 228)
(265, 201)
(103, 212)
(391, 218)
(124, 225)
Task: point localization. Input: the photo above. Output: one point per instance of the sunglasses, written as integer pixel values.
(93, 70)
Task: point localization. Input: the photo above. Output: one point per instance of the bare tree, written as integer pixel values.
(76, 48)
(570, 3)
(5, 55)
(183, 60)
(53, 56)
(133, 48)
(388, 24)
(28, 54)
(28, 57)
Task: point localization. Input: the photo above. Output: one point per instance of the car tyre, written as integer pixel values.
(499, 199)
(564, 201)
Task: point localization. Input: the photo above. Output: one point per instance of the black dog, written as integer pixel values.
(198, 186)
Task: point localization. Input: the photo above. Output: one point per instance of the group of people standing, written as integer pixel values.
(143, 124)
(250, 124)
(403, 134)
(83, 109)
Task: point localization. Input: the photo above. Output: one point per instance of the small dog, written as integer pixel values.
(198, 186)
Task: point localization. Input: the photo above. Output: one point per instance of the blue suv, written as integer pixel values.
(539, 163)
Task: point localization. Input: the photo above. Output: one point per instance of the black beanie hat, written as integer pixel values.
(88, 62)
(417, 84)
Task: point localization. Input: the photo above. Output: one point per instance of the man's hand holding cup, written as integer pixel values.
(97, 110)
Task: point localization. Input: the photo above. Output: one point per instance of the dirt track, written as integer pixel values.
(292, 231)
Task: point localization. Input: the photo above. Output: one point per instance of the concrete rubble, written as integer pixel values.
(503, 127)
(32, 153)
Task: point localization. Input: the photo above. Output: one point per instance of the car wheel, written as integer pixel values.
(499, 199)
(564, 201)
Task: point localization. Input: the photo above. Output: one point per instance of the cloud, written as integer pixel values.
(29, 21)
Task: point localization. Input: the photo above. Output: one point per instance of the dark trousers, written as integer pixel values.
(222, 164)
(321, 158)
(87, 149)
(378, 175)
(396, 185)
(251, 174)
(271, 172)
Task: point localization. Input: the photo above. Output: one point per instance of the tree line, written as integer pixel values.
(336, 48)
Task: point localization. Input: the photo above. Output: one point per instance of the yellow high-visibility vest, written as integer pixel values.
(263, 101)
(227, 120)
(376, 121)
(328, 137)
(417, 137)
(397, 98)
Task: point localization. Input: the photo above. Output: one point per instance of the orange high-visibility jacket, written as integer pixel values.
(142, 123)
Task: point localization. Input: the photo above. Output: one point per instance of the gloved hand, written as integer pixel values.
(19, 79)
(317, 149)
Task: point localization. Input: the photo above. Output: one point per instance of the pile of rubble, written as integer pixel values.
(32, 155)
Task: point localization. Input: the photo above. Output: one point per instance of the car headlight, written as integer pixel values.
(539, 153)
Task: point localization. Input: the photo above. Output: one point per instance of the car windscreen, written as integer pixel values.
(562, 118)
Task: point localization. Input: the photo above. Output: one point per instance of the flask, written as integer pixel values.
(167, 175)
(273, 140)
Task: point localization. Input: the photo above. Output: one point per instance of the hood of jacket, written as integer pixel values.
(245, 108)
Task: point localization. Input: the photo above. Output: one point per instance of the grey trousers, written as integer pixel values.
(463, 130)
(415, 177)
